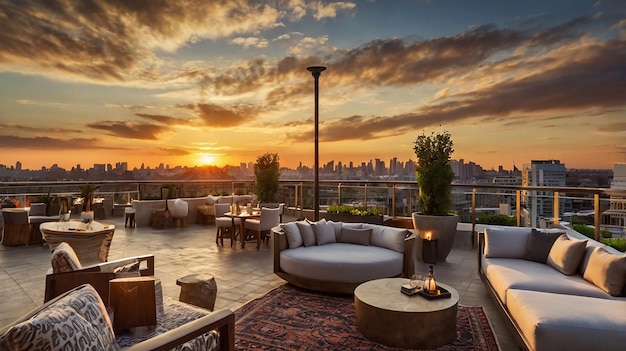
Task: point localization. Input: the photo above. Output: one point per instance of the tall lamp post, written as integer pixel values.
(316, 71)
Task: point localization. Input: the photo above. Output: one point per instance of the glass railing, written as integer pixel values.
(601, 207)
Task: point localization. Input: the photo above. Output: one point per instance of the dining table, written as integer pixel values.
(90, 240)
(254, 214)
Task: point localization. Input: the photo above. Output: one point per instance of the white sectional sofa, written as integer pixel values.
(336, 257)
(559, 291)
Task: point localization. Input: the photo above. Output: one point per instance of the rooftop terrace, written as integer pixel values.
(241, 274)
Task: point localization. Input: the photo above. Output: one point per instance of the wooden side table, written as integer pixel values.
(133, 301)
(198, 289)
(206, 214)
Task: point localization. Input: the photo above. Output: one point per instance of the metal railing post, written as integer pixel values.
(518, 207)
(393, 200)
(596, 216)
(555, 208)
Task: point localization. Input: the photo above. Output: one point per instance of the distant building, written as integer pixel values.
(550, 173)
(616, 214)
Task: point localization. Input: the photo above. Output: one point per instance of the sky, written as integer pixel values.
(197, 82)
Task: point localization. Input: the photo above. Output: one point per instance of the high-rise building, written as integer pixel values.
(616, 214)
(542, 173)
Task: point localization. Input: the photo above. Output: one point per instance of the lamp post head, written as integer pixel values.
(316, 70)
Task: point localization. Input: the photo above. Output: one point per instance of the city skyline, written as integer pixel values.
(217, 83)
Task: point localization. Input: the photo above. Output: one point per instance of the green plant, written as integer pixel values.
(87, 191)
(355, 211)
(618, 244)
(497, 219)
(267, 173)
(434, 172)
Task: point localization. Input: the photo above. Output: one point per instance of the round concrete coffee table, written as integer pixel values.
(387, 316)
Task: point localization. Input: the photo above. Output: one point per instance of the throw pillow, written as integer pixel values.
(355, 236)
(565, 255)
(389, 237)
(539, 244)
(294, 238)
(64, 259)
(337, 227)
(505, 242)
(324, 232)
(606, 271)
(308, 236)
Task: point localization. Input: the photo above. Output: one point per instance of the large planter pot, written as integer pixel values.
(348, 218)
(441, 228)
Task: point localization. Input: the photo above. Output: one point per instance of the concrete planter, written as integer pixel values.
(441, 228)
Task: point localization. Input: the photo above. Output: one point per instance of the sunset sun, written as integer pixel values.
(206, 159)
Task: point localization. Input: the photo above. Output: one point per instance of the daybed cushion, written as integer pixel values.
(388, 237)
(507, 273)
(568, 322)
(566, 254)
(606, 271)
(340, 262)
(355, 236)
(540, 243)
(507, 242)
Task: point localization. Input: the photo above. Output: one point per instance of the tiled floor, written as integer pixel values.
(241, 274)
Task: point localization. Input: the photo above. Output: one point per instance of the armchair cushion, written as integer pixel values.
(64, 259)
(78, 319)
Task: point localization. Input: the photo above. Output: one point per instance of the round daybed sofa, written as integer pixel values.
(336, 257)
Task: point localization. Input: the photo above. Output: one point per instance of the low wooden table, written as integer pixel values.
(198, 289)
(387, 316)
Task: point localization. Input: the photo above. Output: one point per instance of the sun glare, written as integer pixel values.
(206, 159)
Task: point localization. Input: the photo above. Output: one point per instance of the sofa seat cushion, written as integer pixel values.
(340, 262)
(567, 322)
(507, 273)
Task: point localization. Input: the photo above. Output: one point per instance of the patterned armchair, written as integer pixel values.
(78, 320)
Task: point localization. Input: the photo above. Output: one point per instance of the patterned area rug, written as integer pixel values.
(289, 318)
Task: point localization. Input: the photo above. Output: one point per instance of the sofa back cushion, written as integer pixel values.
(37, 209)
(77, 321)
(539, 244)
(388, 237)
(359, 236)
(506, 242)
(64, 259)
(565, 255)
(606, 271)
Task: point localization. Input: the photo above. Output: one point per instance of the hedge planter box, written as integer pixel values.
(348, 218)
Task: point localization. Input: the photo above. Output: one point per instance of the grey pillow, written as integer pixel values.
(355, 236)
(294, 238)
(539, 244)
(324, 232)
(308, 236)
(37, 209)
(565, 255)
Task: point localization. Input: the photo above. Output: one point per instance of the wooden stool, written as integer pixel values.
(130, 217)
(198, 289)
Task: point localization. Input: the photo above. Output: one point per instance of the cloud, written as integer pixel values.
(42, 103)
(166, 120)
(130, 130)
(47, 143)
(323, 10)
(251, 42)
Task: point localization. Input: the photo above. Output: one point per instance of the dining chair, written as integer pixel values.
(226, 226)
(270, 217)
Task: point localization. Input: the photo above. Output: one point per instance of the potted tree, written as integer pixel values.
(87, 191)
(434, 221)
(267, 173)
